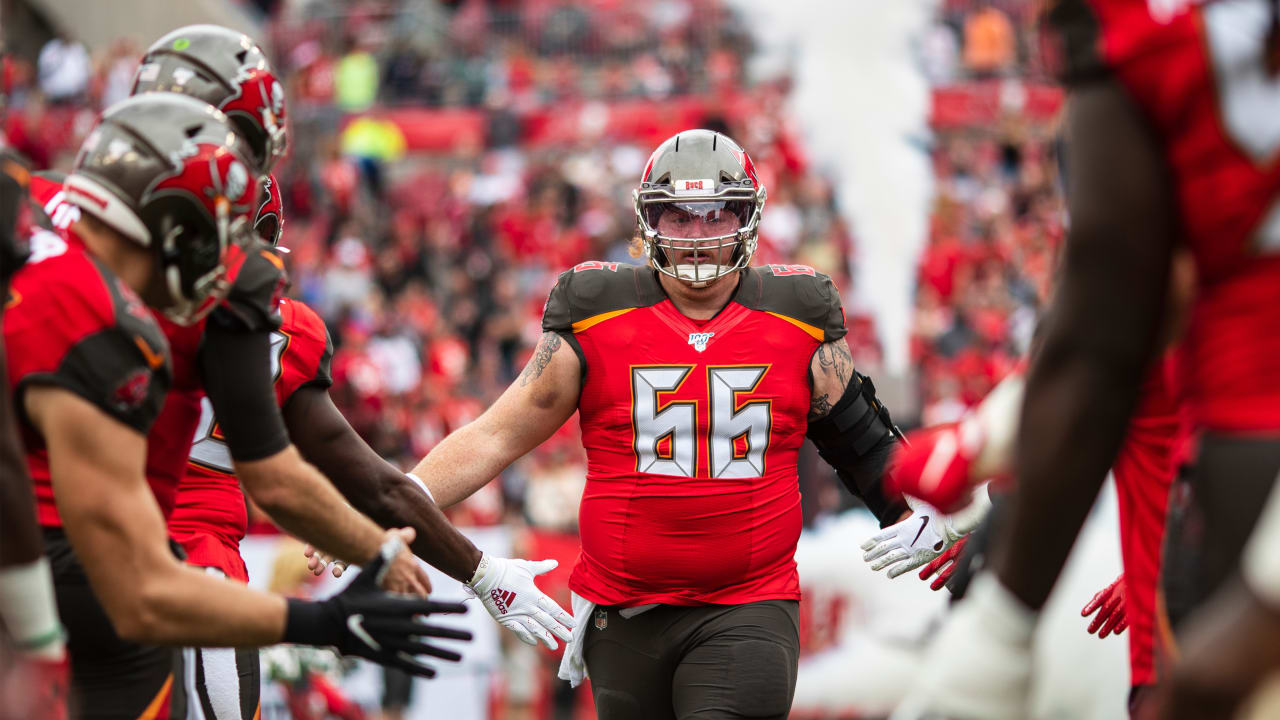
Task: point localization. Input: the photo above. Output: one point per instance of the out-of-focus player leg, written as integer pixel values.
(27, 611)
(1115, 267)
(1233, 642)
(1229, 487)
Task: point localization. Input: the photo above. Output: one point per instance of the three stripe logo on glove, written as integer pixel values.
(502, 598)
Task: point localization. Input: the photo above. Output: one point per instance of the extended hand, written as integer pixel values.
(911, 543)
(944, 565)
(508, 592)
(1109, 604)
(364, 621)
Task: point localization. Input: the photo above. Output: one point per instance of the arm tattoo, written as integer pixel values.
(541, 358)
(819, 407)
(834, 361)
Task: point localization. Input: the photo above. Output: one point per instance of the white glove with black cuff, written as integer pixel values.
(508, 592)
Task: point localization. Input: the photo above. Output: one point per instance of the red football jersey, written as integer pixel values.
(691, 431)
(1144, 470)
(70, 322)
(256, 289)
(209, 517)
(1199, 73)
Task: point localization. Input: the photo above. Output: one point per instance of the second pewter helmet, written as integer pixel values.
(228, 70)
(700, 172)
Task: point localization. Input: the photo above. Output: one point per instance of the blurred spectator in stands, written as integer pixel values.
(116, 72)
(989, 44)
(64, 70)
(356, 79)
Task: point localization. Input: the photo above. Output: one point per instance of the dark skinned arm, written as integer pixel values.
(373, 485)
(1098, 337)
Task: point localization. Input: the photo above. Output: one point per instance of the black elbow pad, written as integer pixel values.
(856, 438)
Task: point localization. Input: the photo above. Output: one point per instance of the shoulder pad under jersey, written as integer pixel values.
(798, 293)
(71, 323)
(254, 300)
(591, 289)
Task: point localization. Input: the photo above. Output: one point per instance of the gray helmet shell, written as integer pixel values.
(699, 166)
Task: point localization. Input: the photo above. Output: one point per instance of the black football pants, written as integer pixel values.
(111, 678)
(712, 662)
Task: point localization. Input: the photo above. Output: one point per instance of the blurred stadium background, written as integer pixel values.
(449, 157)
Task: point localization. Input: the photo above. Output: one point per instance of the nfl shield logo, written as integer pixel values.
(699, 340)
(602, 619)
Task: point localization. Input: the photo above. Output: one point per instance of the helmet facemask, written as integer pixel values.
(698, 207)
(699, 260)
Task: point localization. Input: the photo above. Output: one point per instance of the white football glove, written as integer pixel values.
(913, 542)
(508, 592)
(979, 667)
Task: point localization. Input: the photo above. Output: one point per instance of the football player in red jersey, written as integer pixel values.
(216, 359)
(165, 199)
(1171, 138)
(697, 378)
(209, 515)
(27, 609)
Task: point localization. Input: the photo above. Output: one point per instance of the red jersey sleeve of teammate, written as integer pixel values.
(307, 352)
(69, 322)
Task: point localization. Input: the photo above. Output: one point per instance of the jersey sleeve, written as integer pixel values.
(102, 346)
(308, 354)
(556, 313)
(593, 289)
(323, 377)
(254, 300)
(799, 294)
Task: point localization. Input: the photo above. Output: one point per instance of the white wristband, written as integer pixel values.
(481, 570)
(1261, 563)
(418, 481)
(28, 609)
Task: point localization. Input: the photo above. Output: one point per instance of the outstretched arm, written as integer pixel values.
(373, 485)
(530, 411)
(272, 471)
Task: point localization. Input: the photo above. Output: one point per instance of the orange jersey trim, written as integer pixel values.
(159, 701)
(816, 333)
(597, 319)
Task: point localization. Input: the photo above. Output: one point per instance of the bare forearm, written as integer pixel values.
(532, 408)
(192, 608)
(461, 464)
(306, 505)
(373, 485)
(438, 542)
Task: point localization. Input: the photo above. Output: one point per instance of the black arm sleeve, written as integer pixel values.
(857, 438)
(235, 368)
